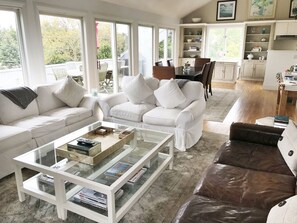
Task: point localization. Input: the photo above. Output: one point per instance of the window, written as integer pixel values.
(166, 42)
(224, 44)
(11, 70)
(62, 47)
(112, 37)
(145, 50)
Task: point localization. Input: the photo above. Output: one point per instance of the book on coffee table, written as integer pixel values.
(281, 121)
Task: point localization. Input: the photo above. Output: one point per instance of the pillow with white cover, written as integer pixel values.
(137, 90)
(70, 92)
(287, 145)
(284, 212)
(169, 95)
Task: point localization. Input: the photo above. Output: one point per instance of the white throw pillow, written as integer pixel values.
(288, 146)
(70, 92)
(169, 95)
(137, 90)
(284, 212)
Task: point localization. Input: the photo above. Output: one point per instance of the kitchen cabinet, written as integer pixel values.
(224, 72)
(192, 39)
(285, 28)
(253, 70)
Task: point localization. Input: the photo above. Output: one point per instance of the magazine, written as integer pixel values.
(118, 169)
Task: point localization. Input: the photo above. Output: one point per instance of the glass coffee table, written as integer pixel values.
(102, 187)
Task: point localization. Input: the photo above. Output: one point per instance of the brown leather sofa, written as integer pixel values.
(247, 178)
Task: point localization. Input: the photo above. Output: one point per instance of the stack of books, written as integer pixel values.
(85, 146)
(281, 121)
(95, 198)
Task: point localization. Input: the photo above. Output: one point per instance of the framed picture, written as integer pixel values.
(226, 10)
(261, 9)
(293, 9)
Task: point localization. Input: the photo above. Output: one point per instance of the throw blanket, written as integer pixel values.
(21, 96)
(181, 82)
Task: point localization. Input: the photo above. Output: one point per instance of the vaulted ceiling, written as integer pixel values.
(170, 8)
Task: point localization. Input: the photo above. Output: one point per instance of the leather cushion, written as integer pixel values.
(252, 156)
(203, 209)
(245, 187)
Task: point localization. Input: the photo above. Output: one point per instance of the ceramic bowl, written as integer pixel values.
(196, 19)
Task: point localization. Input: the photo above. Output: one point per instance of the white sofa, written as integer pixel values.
(46, 118)
(184, 120)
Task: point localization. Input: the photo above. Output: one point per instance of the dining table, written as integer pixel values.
(189, 73)
(287, 88)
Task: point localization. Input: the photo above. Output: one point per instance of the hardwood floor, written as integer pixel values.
(253, 103)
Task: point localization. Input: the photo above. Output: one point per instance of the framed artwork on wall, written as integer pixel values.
(226, 10)
(293, 9)
(261, 9)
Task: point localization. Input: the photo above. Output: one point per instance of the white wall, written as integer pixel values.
(88, 10)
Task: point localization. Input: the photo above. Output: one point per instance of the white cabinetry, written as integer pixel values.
(285, 28)
(225, 72)
(253, 70)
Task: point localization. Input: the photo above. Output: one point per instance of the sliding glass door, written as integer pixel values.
(113, 54)
(145, 50)
(166, 43)
(11, 69)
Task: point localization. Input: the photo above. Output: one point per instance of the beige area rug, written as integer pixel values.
(158, 205)
(219, 104)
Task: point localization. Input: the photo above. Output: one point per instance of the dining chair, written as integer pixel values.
(203, 78)
(199, 62)
(163, 72)
(170, 63)
(209, 78)
(159, 63)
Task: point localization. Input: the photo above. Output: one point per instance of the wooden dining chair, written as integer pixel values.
(209, 78)
(199, 62)
(159, 63)
(203, 78)
(163, 72)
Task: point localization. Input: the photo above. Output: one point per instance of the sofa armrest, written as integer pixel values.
(90, 102)
(190, 113)
(107, 102)
(254, 133)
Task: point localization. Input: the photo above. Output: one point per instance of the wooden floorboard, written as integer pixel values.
(253, 103)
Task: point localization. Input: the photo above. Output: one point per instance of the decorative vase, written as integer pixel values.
(250, 56)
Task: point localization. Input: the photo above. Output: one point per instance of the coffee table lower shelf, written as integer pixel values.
(62, 198)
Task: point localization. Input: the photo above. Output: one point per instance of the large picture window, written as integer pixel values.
(62, 47)
(11, 70)
(224, 43)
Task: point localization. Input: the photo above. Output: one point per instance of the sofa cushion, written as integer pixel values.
(70, 92)
(192, 90)
(71, 115)
(252, 156)
(204, 209)
(169, 95)
(137, 90)
(10, 112)
(130, 111)
(40, 125)
(11, 136)
(46, 99)
(245, 187)
(284, 212)
(288, 146)
(161, 116)
(153, 83)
